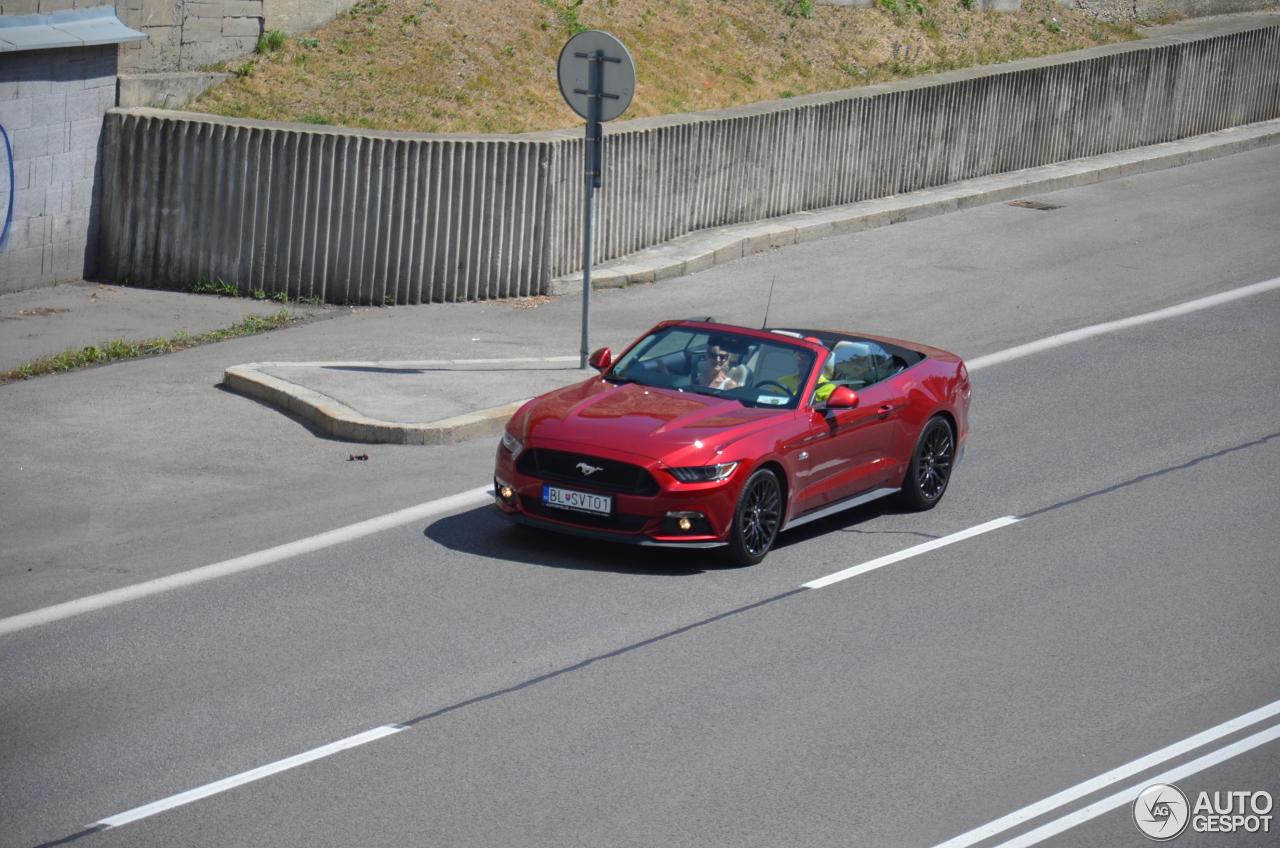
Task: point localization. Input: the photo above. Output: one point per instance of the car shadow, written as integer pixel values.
(482, 533)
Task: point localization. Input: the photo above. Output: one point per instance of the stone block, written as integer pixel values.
(69, 167)
(242, 27)
(49, 109)
(106, 100)
(207, 11)
(53, 199)
(159, 13)
(68, 261)
(71, 226)
(26, 265)
(21, 174)
(85, 134)
(15, 114)
(201, 29)
(33, 83)
(40, 141)
(243, 8)
(8, 86)
(41, 172)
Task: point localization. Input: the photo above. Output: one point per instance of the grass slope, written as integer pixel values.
(463, 66)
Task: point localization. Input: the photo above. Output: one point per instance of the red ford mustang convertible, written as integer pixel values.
(704, 435)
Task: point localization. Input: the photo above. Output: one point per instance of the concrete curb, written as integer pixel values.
(342, 422)
(706, 248)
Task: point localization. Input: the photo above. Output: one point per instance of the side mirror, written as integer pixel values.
(601, 359)
(842, 397)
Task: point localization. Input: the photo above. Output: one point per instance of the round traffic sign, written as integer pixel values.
(574, 71)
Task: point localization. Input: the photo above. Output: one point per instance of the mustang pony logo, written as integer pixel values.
(588, 470)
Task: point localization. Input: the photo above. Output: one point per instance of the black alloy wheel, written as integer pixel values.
(756, 519)
(930, 468)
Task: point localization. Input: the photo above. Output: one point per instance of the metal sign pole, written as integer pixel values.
(591, 178)
(597, 48)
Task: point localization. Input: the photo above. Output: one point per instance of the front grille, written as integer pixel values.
(562, 467)
(618, 521)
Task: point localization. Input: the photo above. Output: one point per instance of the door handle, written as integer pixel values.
(884, 410)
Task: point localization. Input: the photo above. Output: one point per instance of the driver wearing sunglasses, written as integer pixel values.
(715, 372)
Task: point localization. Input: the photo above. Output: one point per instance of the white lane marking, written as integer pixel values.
(1116, 775)
(247, 776)
(1126, 796)
(451, 503)
(933, 545)
(1124, 323)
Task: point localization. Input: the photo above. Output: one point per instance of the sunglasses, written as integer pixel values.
(717, 356)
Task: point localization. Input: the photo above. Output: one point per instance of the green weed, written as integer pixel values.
(118, 349)
(271, 40)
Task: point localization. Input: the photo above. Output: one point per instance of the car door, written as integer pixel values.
(849, 449)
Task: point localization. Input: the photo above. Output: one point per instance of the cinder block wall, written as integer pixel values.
(186, 35)
(354, 216)
(51, 106)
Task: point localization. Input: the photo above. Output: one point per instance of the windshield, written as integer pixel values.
(753, 371)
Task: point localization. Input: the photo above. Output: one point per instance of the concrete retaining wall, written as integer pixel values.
(363, 217)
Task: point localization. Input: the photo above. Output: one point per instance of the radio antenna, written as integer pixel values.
(769, 302)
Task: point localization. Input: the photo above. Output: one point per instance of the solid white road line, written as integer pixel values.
(452, 503)
(1116, 775)
(1127, 796)
(910, 552)
(247, 776)
(1124, 323)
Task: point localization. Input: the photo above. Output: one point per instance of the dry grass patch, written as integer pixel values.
(464, 67)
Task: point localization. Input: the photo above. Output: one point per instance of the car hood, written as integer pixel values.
(678, 428)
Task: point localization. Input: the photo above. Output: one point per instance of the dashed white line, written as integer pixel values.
(422, 511)
(925, 547)
(247, 776)
(1124, 323)
(1114, 776)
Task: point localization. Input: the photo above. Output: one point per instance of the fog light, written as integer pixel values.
(685, 522)
(505, 492)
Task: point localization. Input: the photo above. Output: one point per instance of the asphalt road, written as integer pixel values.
(563, 692)
(131, 471)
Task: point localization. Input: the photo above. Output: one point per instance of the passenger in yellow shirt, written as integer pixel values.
(825, 386)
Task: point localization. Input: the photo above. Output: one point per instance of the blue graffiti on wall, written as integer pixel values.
(8, 217)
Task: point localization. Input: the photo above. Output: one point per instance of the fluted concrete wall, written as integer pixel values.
(363, 217)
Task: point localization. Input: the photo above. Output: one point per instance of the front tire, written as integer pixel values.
(756, 519)
(930, 469)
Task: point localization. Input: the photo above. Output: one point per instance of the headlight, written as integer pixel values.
(703, 473)
(511, 443)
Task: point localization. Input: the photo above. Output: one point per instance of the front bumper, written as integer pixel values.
(638, 519)
(603, 535)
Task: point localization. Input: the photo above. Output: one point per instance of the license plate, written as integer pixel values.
(577, 501)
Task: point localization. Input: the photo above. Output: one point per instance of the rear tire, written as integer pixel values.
(930, 468)
(756, 519)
